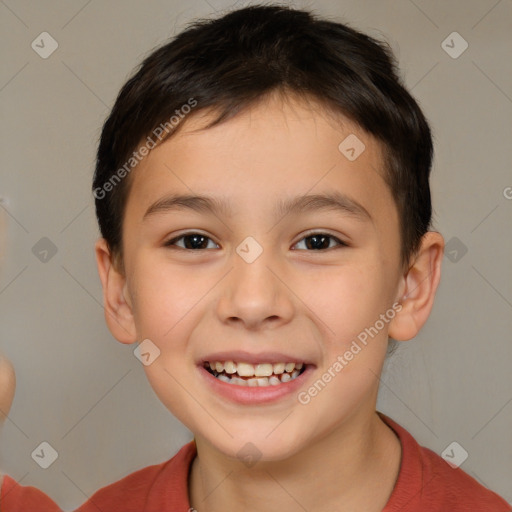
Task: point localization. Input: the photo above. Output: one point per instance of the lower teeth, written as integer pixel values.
(273, 380)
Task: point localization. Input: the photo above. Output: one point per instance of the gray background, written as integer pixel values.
(86, 394)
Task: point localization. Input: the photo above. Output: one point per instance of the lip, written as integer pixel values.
(246, 395)
(247, 357)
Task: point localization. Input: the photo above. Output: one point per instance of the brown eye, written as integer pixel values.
(191, 241)
(320, 242)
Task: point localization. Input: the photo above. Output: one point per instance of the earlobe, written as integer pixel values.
(117, 306)
(418, 288)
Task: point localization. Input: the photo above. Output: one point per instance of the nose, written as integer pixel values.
(255, 295)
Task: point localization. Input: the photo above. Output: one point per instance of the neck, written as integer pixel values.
(355, 466)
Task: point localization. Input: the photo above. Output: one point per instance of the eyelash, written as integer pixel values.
(171, 243)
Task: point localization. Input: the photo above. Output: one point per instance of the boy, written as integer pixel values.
(263, 197)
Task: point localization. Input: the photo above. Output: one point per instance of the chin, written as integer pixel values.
(255, 445)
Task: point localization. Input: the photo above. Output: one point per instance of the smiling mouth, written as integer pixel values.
(254, 375)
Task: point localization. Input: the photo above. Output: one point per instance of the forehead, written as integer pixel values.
(264, 155)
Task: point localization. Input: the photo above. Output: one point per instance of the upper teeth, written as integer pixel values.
(250, 370)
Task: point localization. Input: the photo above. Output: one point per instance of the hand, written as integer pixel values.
(7, 387)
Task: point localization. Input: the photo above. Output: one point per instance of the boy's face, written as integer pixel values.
(292, 303)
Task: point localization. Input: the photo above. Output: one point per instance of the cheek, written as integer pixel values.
(346, 300)
(169, 305)
(165, 298)
(164, 313)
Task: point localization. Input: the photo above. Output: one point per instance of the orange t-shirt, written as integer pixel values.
(14, 497)
(426, 483)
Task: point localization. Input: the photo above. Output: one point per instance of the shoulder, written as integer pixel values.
(427, 482)
(447, 484)
(17, 498)
(157, 487)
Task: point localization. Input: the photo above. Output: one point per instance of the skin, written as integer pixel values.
(334, 453)
(7, 387)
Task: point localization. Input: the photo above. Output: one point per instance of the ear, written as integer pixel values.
(116, 300)
(418, 288)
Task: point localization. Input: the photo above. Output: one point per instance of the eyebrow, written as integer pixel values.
(331, 201)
